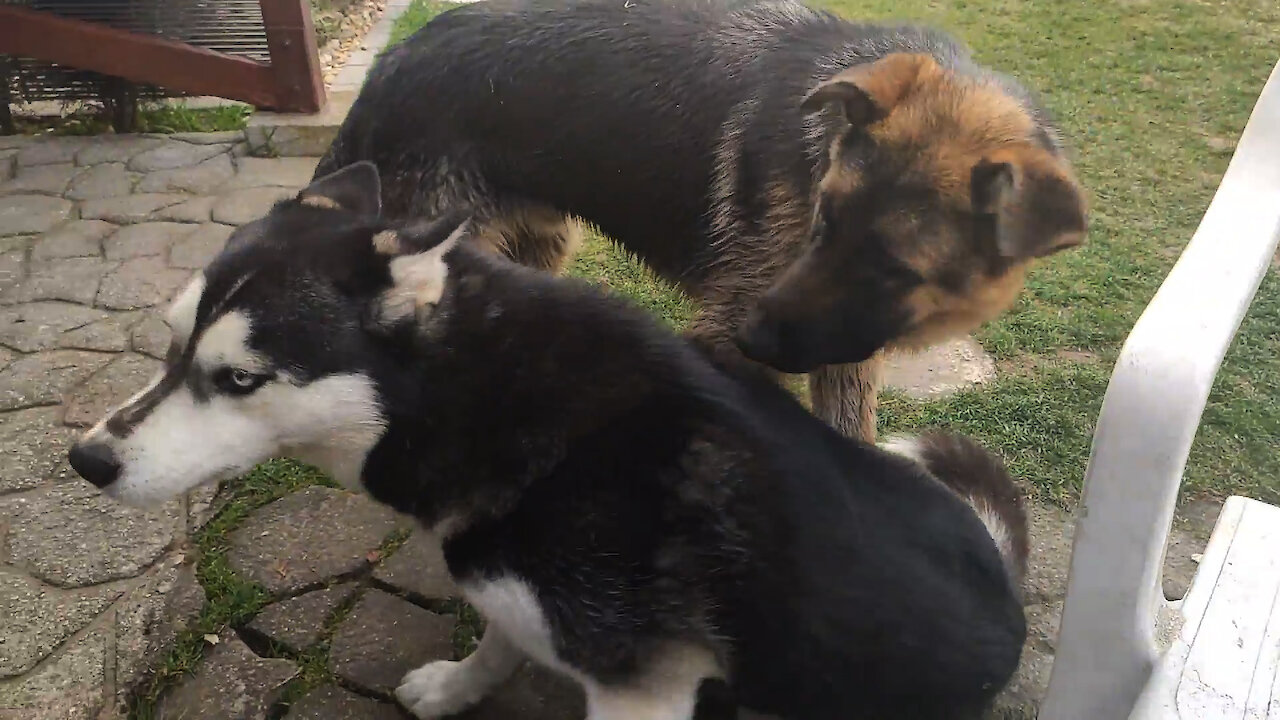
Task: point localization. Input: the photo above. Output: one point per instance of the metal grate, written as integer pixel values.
(233, 27)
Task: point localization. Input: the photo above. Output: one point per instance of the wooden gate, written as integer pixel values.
(289, 82)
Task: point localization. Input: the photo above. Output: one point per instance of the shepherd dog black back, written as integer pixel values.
(824, 188)
(503, 104)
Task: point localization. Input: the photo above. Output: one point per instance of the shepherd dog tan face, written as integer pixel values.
(937, 195)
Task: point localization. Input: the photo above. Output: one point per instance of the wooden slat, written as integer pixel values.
(135, 56)
(1225, 661)
(295, 61)
(1233, 628)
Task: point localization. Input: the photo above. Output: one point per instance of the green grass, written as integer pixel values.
(232, 601)
(417, 15)
(88, 119)
(1151, 96)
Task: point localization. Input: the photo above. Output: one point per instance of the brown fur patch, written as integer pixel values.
(941, 127)
(535, 236)
(890, 79)
(938, 314)
(867, 92)
(1045, 209)
(952, 125)
(845, 396)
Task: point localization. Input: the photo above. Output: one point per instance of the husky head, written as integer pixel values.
(937, 192)
(272, 351)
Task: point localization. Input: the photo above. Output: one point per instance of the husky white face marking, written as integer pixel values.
(336, 422)
(181, 317)
(418, 280)
(99, 432)
(194, 424)
(183, 442)
(225, 343)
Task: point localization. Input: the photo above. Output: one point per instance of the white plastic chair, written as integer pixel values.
(1123, 651)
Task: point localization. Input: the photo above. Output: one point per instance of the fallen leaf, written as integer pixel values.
(211, 639)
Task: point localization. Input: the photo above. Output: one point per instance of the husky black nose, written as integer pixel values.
(94, 462)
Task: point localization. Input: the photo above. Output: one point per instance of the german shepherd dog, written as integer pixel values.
(824, 188)
(667, 521)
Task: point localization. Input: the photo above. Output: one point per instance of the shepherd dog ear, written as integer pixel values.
(1036, 209)
(868, 92)
(354, 188)
(418, 278)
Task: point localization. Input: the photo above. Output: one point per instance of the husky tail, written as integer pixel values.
(980, 478)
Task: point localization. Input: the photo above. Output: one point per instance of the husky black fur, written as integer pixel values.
(663, 518)
(905, 186)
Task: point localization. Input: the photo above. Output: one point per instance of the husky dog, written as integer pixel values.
(618, 507)
(824, 188)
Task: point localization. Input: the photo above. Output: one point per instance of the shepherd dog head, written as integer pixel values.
(276, 349)
(937, 193)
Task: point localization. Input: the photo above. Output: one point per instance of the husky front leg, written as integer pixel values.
(443, 688)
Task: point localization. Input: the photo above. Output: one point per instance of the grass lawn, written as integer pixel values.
(1152, 97)
(88, 119)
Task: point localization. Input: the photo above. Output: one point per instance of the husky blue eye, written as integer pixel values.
(237, 381)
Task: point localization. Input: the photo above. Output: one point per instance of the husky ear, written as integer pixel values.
(866, 93)
(355, 188)
(423, 235)
(1035, 212)
(417, 280)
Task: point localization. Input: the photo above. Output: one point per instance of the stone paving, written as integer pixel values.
(95, 235)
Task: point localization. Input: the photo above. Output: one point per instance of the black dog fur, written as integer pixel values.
(647, 495)
(681, 129)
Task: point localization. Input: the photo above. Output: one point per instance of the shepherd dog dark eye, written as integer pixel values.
(235, 381)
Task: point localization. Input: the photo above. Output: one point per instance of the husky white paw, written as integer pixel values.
(440, 689)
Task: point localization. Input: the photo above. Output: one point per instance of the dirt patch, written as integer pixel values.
(1221, 145)
(939, 371)
(1030, 366)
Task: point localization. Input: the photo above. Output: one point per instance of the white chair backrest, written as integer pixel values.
(1107, 639)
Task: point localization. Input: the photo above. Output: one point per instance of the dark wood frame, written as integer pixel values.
(291, 82)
